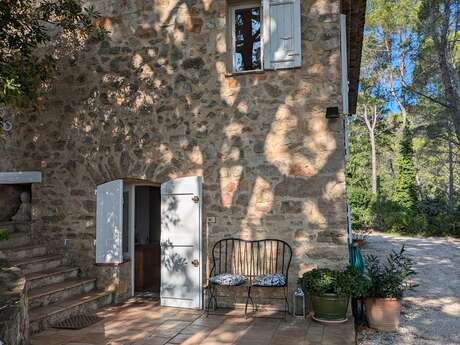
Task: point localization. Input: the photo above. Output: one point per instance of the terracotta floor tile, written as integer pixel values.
(146, 323)
(130, 336)
(151, 341)
(51, 337)
(170, 328)
(193, 329)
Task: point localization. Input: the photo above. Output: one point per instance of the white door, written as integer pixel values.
(109, 222)
(181, 261)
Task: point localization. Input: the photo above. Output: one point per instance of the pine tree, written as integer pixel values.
(405, 186)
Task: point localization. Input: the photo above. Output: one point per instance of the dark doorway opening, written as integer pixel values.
(147, 231)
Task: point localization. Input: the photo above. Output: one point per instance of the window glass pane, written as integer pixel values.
(247, 39)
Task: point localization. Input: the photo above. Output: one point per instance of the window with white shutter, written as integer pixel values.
(281, 23)
(264, 35)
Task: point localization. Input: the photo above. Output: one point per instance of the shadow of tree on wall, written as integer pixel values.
(154, 103)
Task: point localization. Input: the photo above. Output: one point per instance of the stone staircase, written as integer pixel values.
(55, 288)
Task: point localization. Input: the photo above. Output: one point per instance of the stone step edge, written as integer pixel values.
(22, 247)
(71, 283)
(35, 259)
(79, 300)
(49, 273)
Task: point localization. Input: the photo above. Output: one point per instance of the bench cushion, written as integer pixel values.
(228, 279)
(277, 279)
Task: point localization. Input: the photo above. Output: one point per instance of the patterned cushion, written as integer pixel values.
(228, 279)
(277, 279)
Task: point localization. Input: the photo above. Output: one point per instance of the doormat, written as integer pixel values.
(147, 295)
(77, 322)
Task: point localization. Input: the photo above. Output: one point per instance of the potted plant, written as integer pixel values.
(4, 234)
(330, 291)
(359, 237)
(384, 287)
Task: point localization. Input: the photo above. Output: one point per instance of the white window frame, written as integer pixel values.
(232, 10)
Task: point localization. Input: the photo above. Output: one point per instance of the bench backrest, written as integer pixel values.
(251, 258)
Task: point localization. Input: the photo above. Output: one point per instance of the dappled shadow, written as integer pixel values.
(141, 322)
(154, 102)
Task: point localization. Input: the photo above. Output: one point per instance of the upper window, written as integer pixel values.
(264, 35)
(247, 43)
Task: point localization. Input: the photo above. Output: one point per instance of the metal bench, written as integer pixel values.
(253, 264)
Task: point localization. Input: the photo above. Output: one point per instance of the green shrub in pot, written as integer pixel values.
(4, 234)
(330, 291)
(384, 287)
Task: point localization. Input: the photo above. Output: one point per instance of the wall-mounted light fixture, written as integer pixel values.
(332, 113)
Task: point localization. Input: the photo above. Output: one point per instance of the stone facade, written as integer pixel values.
(14, 321)
(155, 102)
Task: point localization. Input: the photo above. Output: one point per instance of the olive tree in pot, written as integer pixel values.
(330, 291)
(384, 287)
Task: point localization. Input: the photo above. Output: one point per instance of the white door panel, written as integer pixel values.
(179, 215)
(181, 243)
(178, 274)
(109, 222)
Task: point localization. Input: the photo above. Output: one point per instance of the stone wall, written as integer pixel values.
(155, 102)
(14, 321)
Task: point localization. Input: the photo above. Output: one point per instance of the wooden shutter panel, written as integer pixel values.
(109, 222)
(281, 34)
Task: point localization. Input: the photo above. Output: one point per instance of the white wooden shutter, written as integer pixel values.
(109, 222)
(281, 34)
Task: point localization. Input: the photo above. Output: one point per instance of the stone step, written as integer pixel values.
(39, 263)
(22, 252)
(15, 240)
(54, 293)
(42, 317)
(51, 276)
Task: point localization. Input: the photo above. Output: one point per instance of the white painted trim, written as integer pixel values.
(20, 177)
(132, 232)
(344, 63)
(345, 104)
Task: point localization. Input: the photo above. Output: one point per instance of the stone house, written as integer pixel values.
(233, 92)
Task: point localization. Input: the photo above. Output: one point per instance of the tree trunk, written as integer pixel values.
(449, 77)
(246, 50)
(373, 162)
(450, 188)
(452, 98)
(370, 124)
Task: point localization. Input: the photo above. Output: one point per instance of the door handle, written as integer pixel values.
(195, 263)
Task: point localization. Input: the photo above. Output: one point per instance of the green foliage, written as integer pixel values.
(4, 234)
(26, 30)
(397, 208)
(389, 279)
(405, 189)
(400, 73)
(321, 281)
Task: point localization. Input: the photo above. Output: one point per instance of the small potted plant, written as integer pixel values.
(359, 237)
(330, 291)
(4, 234)
(384, 287)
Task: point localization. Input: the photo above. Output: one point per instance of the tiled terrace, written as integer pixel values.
(144, 322)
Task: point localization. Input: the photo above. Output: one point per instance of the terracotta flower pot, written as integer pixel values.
(383, 313)
(359, 243)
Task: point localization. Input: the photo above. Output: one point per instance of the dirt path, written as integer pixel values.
(431, 313)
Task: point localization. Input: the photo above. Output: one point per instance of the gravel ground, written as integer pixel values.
(431, 314)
